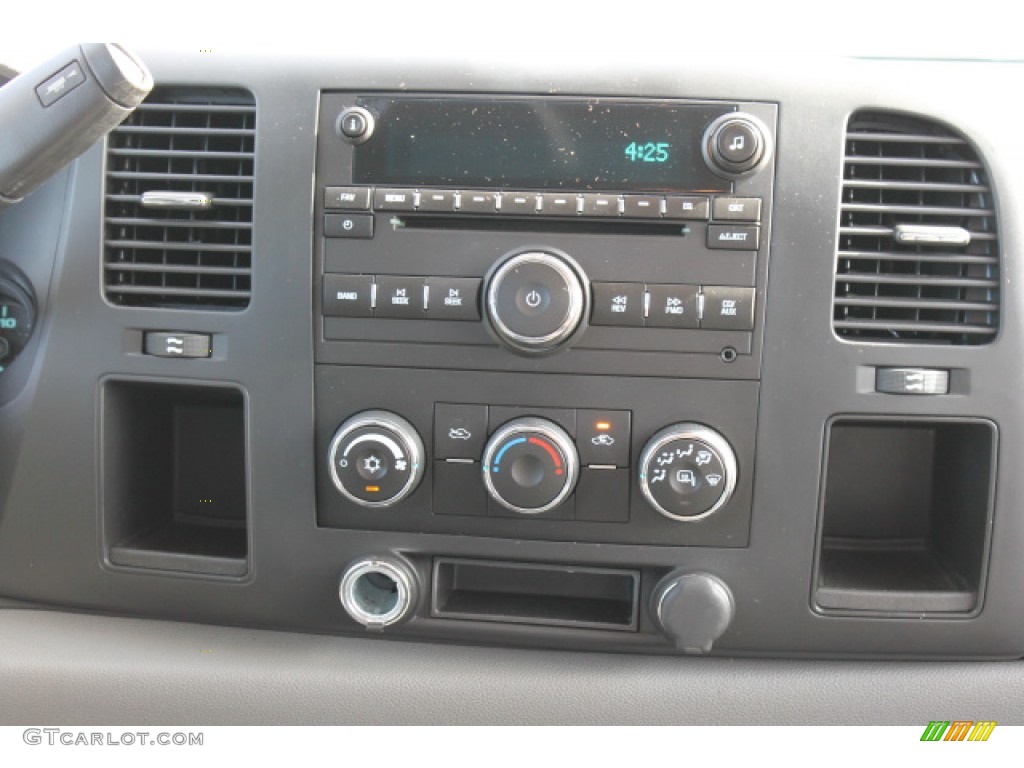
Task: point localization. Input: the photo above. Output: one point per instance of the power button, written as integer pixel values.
(535, 301)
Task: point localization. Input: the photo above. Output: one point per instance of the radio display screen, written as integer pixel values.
(577, 144)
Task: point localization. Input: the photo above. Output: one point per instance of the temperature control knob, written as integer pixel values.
(687, 471)
(376, 458)
(530, 465)
(535, 301)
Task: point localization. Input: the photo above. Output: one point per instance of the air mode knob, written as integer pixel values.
(535, 301)
(530, 465)
(736, 144)
(376, 458)
(687, 471)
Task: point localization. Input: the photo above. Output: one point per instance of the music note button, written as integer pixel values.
(737, 142)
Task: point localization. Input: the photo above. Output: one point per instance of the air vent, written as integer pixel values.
(178, 227)
(918, 258)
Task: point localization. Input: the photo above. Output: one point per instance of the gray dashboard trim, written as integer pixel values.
(70, 668)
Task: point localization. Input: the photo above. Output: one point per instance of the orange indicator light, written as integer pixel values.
(603, 425)
(373, 489)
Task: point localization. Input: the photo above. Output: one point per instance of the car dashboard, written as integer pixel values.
(433, 392)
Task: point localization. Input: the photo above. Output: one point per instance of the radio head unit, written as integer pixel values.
(520, 143)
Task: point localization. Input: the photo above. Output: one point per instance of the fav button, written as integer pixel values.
(347, 198)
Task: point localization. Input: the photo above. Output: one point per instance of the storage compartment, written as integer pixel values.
(906, 515)
(174, 477)
(522, 593)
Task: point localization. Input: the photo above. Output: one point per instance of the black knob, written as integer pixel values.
(355, 125)
(736, 145)
(530, 465)
(687, 471)
(376, 459)
(535, 301)
(692, 609)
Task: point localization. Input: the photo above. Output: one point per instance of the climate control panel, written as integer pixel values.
(606, 468)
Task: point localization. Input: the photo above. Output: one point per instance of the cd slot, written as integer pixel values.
(661, 227)
(528, 593)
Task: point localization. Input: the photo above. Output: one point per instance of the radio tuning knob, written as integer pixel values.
(530, 465)
(376, 459)
(535, 301)
(736, 145)
(687, 472)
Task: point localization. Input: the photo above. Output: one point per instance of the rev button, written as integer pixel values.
(618, 304)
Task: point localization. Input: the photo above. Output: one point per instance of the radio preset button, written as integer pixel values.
(556, 204)
(439, 200)
(347, 198)
(600, 205)
(641, 206)
(689, 208)
(733, 237)
(348, 295)
(453, 298)
(737, 209)
(672, 306)
(478, 202)
(394, 199)
(728, 308)
(524, 203)
(400, 297)
(618, 304)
